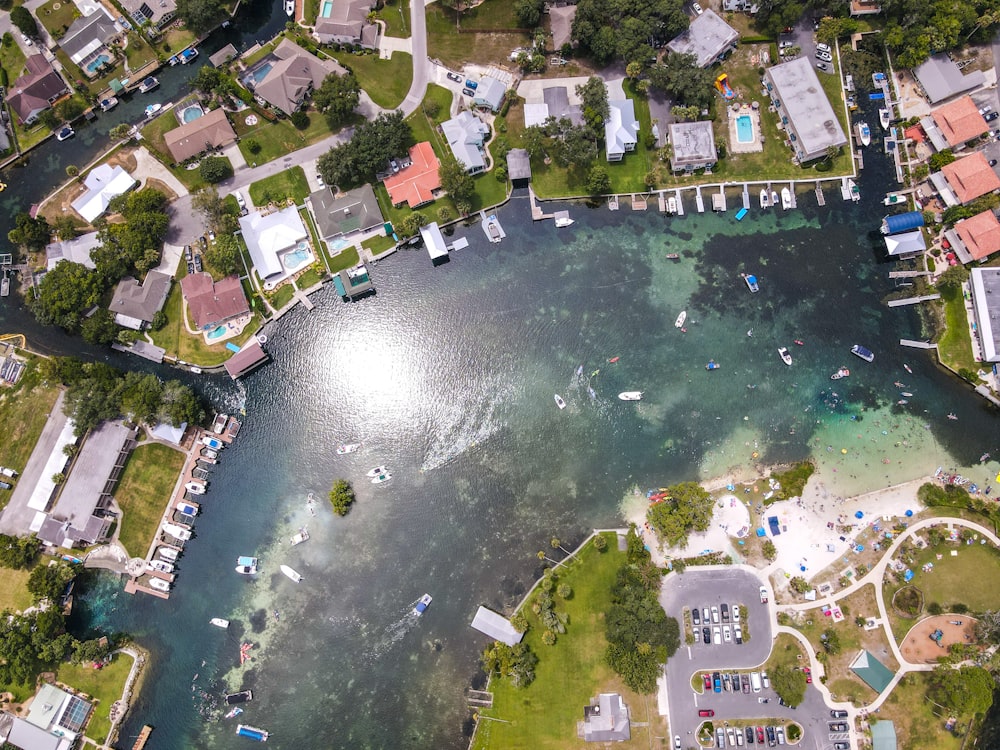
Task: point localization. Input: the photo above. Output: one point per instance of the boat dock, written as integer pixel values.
(143, 738)
(613, 203)
(719, 200)
(746, 196)
(820, 197)
(795, 199)
(537, 214)
(680, 203)
(639, 202)
(845, 189)
(913, 300)
(699, 201)
(907, 274)
(917, 344)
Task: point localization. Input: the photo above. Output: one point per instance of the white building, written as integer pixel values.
(277, 243)
(465, 135)
(805, 112)
(76, 250)
(985, 285)
(621, 131)
(708, 38)
(103, 183)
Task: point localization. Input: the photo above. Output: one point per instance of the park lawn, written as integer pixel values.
(396, 14)
(24, 409)
(919, 723)
(143, 491)
(280, 187)
(786, 651)
(56, 17)
(455, 49)
(385, 81)
(14, 594)
(104, 685)
(955, 344)
(276, 139)
(544, 714)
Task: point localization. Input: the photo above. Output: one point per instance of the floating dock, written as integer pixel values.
(143, 737)
(820, 197)
(845, 190)
(913, 300)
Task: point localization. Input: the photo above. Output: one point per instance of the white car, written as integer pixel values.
(717, 635)
(766, 682)
(697, 9)
(677, 742)
(824, 48)
(736, 613)
(727, 633)
(705, 616)
(763, 595)
(715, 614)
(824, 56)
(319, 180)
(785, 45)
(239, 201)
(27, 40)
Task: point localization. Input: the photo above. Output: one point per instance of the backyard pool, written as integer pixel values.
(298, 257)
(191, 113)
(744, 129)
(217, 333)
(327, 9)
(96, 63)
(338, 244)
(258, 74)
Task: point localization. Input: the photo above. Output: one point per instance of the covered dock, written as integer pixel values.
(496, 626)
(434, 242)
(249, 358)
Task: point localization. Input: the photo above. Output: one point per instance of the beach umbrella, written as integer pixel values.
(802, 568)
(859, 514)
(909, 513)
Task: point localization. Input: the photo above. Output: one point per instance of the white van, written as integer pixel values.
(239, 200)
(755, 681)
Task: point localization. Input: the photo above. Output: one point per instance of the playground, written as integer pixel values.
(921, 644)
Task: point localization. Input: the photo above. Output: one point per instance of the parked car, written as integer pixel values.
(749, 733)
(190, 268)
(319, 180)
(197, 264)
(725, 612)
(240, 202)
(707, 678)
(760, 735)
(763, 595)
(764, 680)
(394, 166)
(187, 253)
(697, 635)
(715, 615)
(825, 67)
(27, 40)
(706, 712)
(838, 726)
(841, 746)
(824, 47)
(695, 616)
(770, 736)
(705, 617)
(785, 45)
(697, 9)
(716, 635)
(993, 162)
(677, 742)
(454, 77)
(470, 84)
(736, 613)
(738, 635)
(468, 92)
(838, 714)
(824, 56)
(727, 633)
(706, 635)
(211, 236)
(716, 682)
(203, 242)
(985, 108)
(992, 116)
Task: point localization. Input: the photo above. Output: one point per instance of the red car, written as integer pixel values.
(808, 673)
(706, 712)
(708, 681)
(760, 735)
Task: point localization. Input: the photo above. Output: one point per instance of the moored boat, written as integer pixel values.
(168, 553)
(177, 531)
(422, 604)
(712, 365)
(152, 109)
(860, 351)
(347, 448)
(864, 133)
(246, 565)
(289, 8)
(188, 509)
(843, 372)
(253, 733)
(630, 395)
(211, 442)
(195, 488)
(219, 622)
(381, 478)
(672, 205)
(765, 198)
(291, 573)
(679, 323)
(775, 201)
(786, 198)
(301, 536)
(751, 282)
(853, 187)
(884, 117)
(785, 356)
(109, 103)
(160, 566)
(188, 55)
(234, 712)
(673, 256)
(376, 471)
(148, 85)
(907, 368)
(560, 402)
(159, 584)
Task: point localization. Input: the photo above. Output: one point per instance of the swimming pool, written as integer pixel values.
(97, 62)
(338, 244)
(217, 333)
(744, 129)
(259, 74)
(327, 9)
(298, 257)
(191, 113)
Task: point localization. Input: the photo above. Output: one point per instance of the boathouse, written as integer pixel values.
(941, 79)
(248, 358)
(496, 626)
(518, 167)
(352, 283)
(434, 242)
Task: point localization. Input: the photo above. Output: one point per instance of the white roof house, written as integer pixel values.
(465, 135)
(806, 113)
(103, 183)
(269, 238)
(621, 131)
(496, 626)
(985, 285)
(434, 242)
(490, 93)
(906, 243)
(708, 38)
(76, 250)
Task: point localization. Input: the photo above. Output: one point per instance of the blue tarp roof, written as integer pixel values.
(902, 222)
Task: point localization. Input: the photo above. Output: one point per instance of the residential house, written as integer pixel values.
(561, 24)
(905, 244)
(277, 244)
(355, 211)
(805, 112)
(346, 22)
(55, 720)
(213, 303)
(86, 41)
(708, 38)
(102, 183)
(693, 145)
(292, 77)
(975, 238)
(865, 7)
(135, 304)
(490, 93)
(465, 135)
(156, 12)
(965, 179)
(984, 283)
(555, 103)
(954, 124)
(416, 183)
(606, 719)
(941, 79)
(621, 131)
(38, 88)
(210, 131)
(76, 250)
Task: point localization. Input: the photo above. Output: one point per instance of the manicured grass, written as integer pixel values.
(104, 685)
(396, 14)
(378, 245)
(24, 408)
(545, 714)
(277, 138)
(280, 187)
(346, 258)
(955, 344)
(919, 723)
(492, 15)
(177, 38)
(786, 652)
(311, 10)
(14, 595)
(282, 296)
(154, 130)
(56, 17)
(143, 491)
(138, 53)
(454, 50)
(11, 59)
(386, 81)
(309, 278)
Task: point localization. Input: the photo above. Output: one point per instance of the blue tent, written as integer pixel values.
(761, 532)
(859, 514)
(908, 575)
(909, 513)
(775, 526)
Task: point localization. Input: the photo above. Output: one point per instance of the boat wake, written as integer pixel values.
(379, 644)
(459, 430)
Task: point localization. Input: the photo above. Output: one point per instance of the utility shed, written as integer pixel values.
(496, 626)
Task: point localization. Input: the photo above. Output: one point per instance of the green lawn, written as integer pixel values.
(56, 17)
(386, 81)
(24, 408)
(14, 595)
(955, 344)
(378, 245)
(545, 714)
(104, 685)
(396, 14)
(310, 278)
(278, 188)
(346, 258)
(454, 50)
(138, 52)
(277, 138)
(282, 296)
(11, 59)
(919, 723)
(177, 38)
(143, 491)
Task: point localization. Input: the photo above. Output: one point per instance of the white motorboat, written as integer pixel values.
(301, 536)
(168, 553)
(785, 356)
(152, 109)
(786, 198)
(292, 573)
(775, 201)
(860, 351)
(564, 222)
(160, 566)
(843, 372)
(560, 402)
(246, 565)
(630, 395)
(177, 531)
(347, 448)
(864, 133)
(751, 281)
(159, 584)
(219, 622)
(289, 8)
(672, 205)
(376, 471)
(188, 509)
(219, 423)
(855, 193)
(422, 604)
(148, 85)
(195, 488)
(765, 199)
(679, 323)
(381, 478)
(884, 117)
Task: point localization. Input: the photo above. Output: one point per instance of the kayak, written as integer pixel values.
(613, 360)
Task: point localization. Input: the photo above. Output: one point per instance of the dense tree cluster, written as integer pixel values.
(25, 22)
(47, 582)
(18, 551)
(132, 246)
(516, 663)
(199, 15)
(369, 151)
(65, 293)
(336, 98)
(457, 183)
(680, 78)
(626, 29)
(918, 28)
(96, 392)
(30, 233)
(341, 497)
(215, 169)
(687, 508)
(789, 683)
(967, 690)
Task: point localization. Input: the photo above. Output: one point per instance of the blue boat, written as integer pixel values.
(866, 354)
(751, 281)
(741, 213)
(244, 730)
(422, 604)
(711, 365)
(188, 55)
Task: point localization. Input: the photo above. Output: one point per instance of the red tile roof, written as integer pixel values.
(960, 121)
(971, 177)
(981, 234)
(213, 302)
(415, 185)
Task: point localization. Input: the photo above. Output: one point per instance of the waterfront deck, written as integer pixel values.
(913, 300)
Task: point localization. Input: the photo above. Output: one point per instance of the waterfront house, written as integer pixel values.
(55, 720)
(86, 42)
(621, 131)
(38, 88)
(292, 76)
(135, 304)
(555, 103)
(984, 283)
(346, 22)
(75, 250)
(806, 114)
(465, 135)
(18, 733)
(156, 12)
(905, 244)
(490, 93)
(941, 79)
(210, 131)
(355, 211)
(418, 182)
(102, 183)
(708, 38)
(693, 146)
(606, 719)
(496, 627)
(975, 238)
(954, 124)
(213, 303)
(277, 243)
(965, 179)
(353, 283)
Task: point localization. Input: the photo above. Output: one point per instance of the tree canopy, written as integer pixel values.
(789, 683)
(341, 497)
(369, 151)
(215, 169)
(199, 15)
(224, 254)
(680, 78)
(967, 690)
(49, 581)
(18, 551)
(133, 246)
(65, 293)
(25, 22)
(30, 233)
(516, 663)
(623, 30)
(456, 181)
(688, 507)
(337, 97)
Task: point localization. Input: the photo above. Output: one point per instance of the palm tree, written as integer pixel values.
(543, 556)
(556, 545)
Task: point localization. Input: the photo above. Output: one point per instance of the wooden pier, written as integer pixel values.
(661, 201)
(304, 299)
(795, 199)
(917, 344)
(680, 203)
(913, 300)
(907, 274)
(746, 196)
(537, 214)
(820, 197)
(699, 201)
(480, 698)
(639, 202)
(143, 737)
